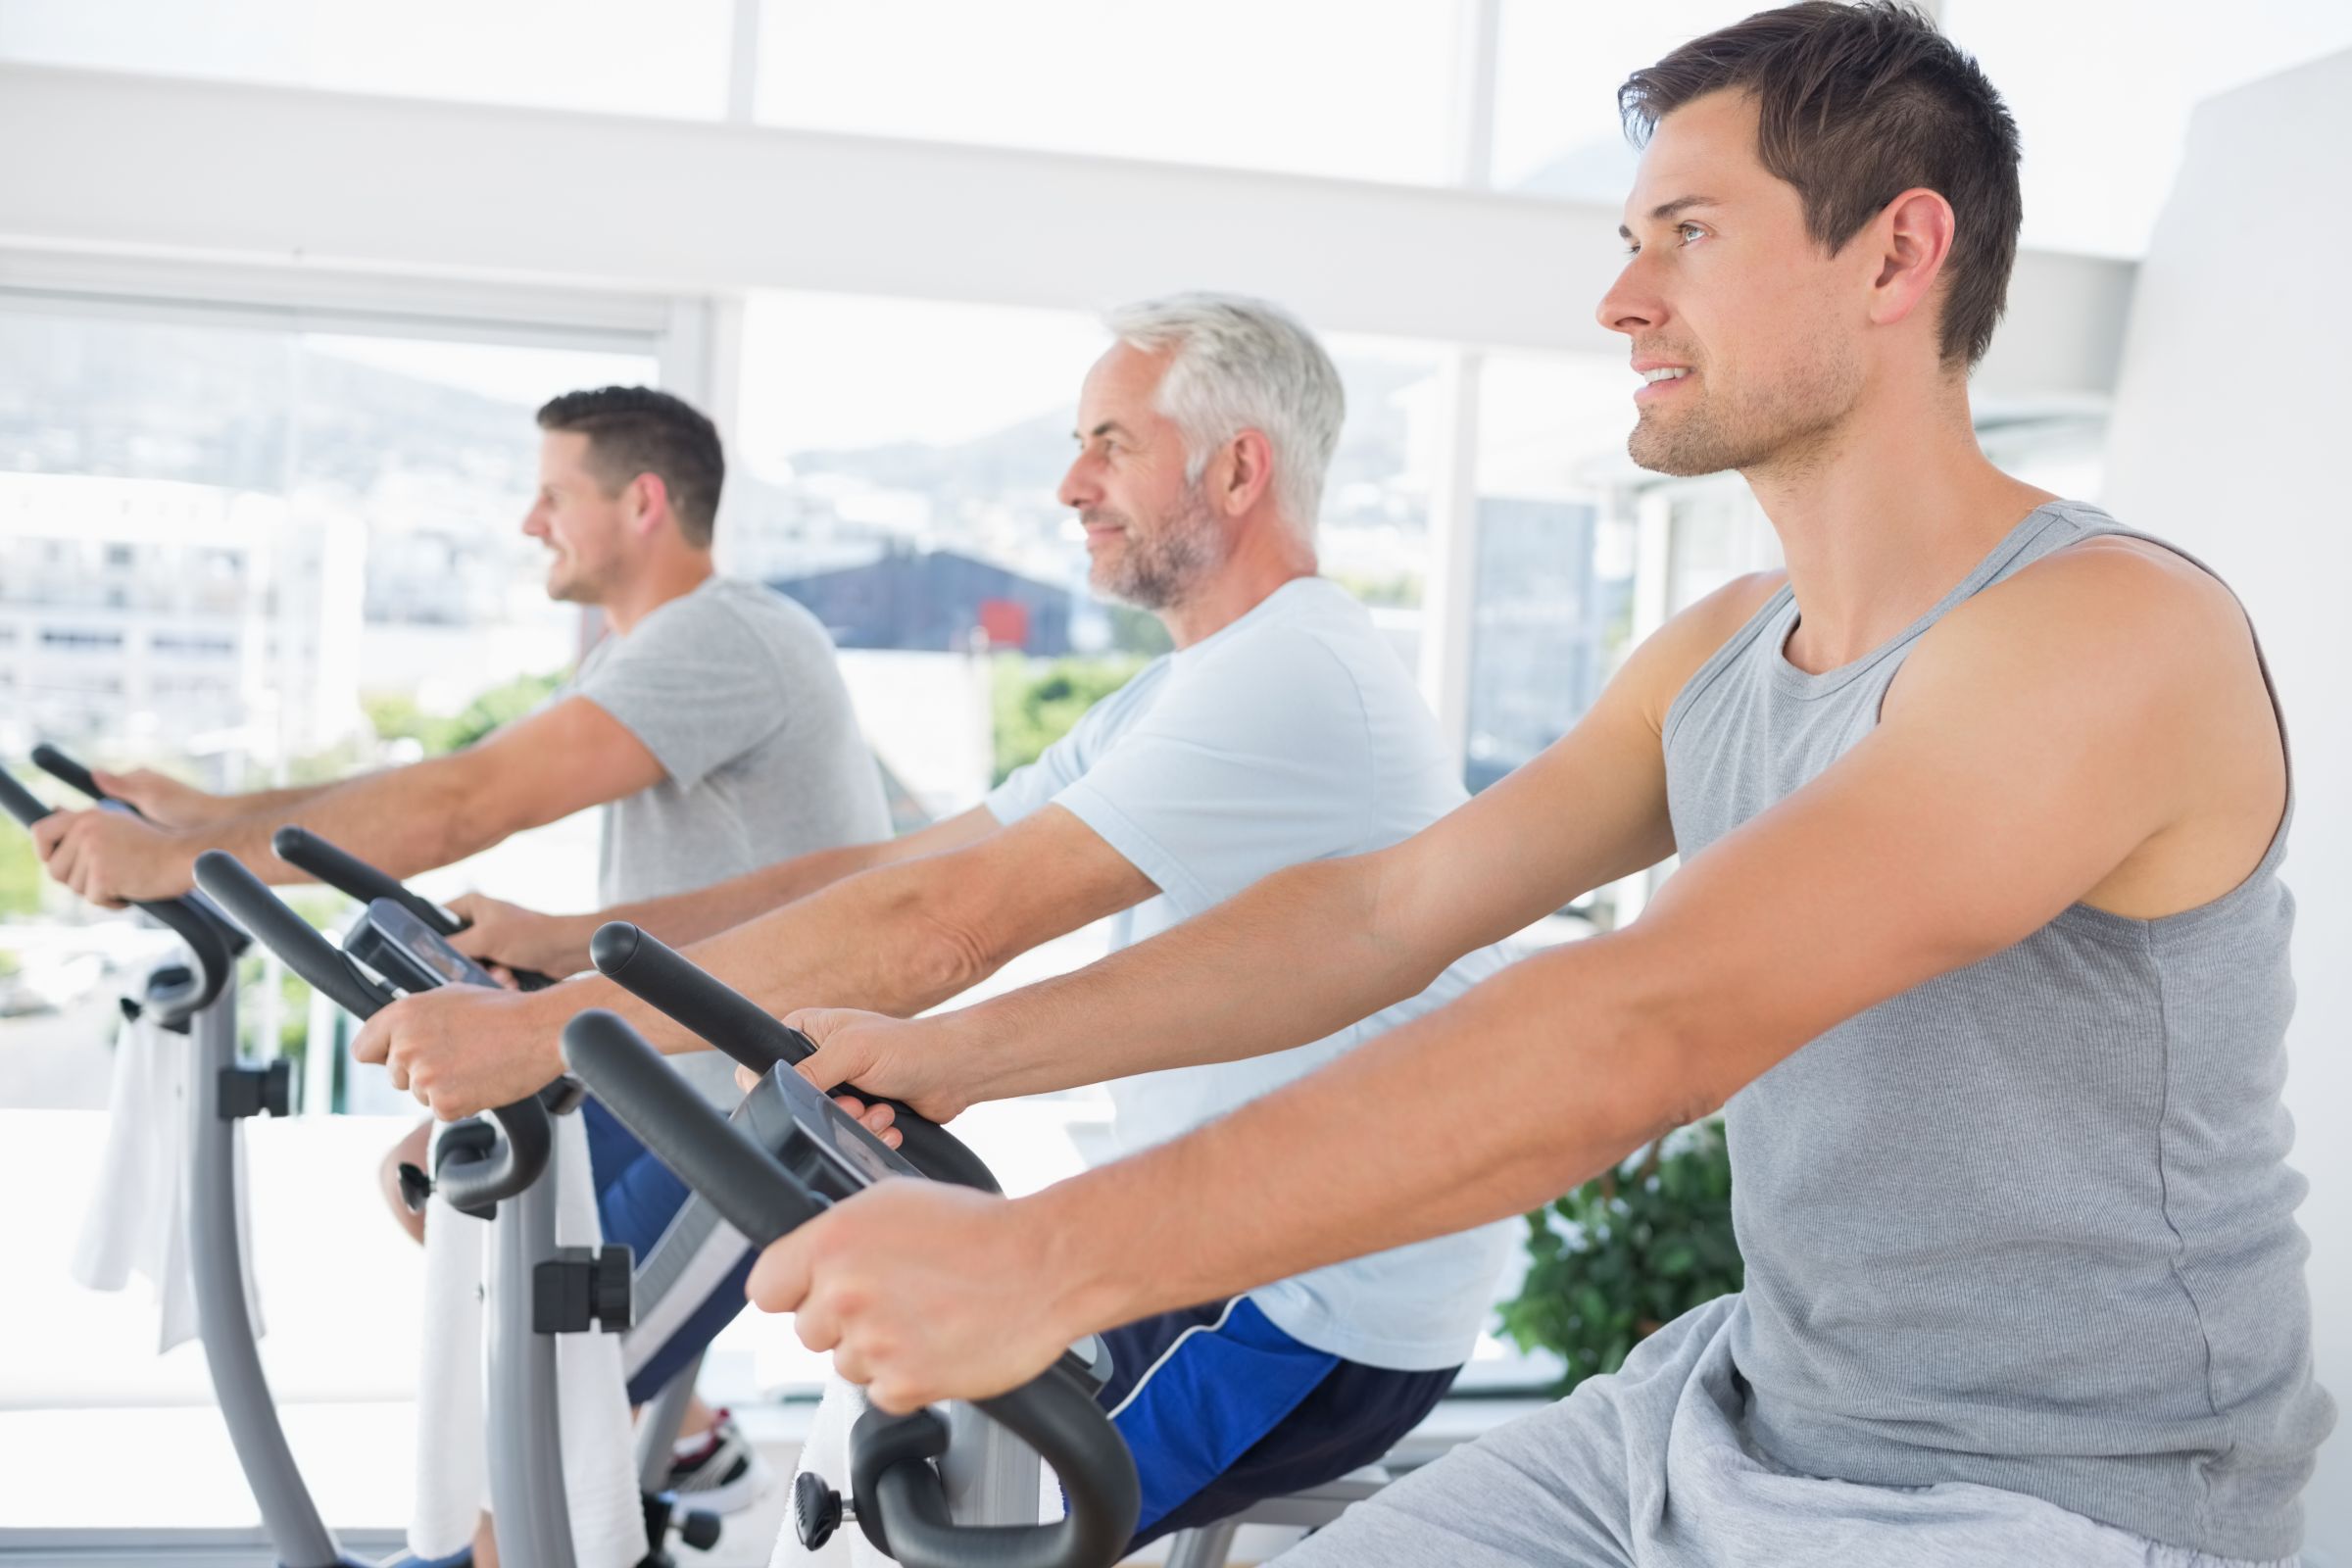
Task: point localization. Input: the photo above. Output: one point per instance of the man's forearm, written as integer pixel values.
(704, 912)
(1532, 1083)
(277, 802)
(1296, 957)
(402, 821)
(868, 942)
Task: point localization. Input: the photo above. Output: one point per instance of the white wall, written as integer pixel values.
(2231, 419)
(323, 182)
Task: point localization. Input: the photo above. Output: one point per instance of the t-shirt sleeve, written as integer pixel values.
(1059, 766)
(695, 683)
(1247, 767)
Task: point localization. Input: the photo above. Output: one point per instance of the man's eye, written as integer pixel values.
(1688, 230)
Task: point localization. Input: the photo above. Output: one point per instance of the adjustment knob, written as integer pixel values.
(277, 1087)
(816, 1510)
(699, 1530)
(611, 1298)
(416, 1188)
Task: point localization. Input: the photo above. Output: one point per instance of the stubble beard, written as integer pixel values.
(1160, 568)
(1788, 427)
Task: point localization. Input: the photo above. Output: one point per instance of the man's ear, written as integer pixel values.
(648, 503)
(1248, 471)
(1911, 240)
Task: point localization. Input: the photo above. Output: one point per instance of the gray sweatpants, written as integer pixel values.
(1647, 1469)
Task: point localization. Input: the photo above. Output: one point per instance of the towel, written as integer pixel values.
(137, 1221)
(600, 1472)
(826, 1455)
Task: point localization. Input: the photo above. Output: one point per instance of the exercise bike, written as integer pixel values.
(930, 1489)
(497, 1169)
(199, 999)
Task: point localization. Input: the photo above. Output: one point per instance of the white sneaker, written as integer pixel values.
(719, 1470)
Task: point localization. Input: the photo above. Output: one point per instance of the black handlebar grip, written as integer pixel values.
(207, 942)
(58, 765)
(223, 877)
(478, 1186)
(1054, 1412)
(346, 872)
(474, 1186)
(22, 803)
(750, 1191)
(657, 974)
(902, 1505)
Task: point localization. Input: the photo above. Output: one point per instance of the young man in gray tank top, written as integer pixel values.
(1978, 934)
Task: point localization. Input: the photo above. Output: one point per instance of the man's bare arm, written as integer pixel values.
(2054, 741)
(558, 944)
(896, 939)
(530, 773)
(169, 803)
(1315, 947)
(404, 819)
(1953, 831)
(687, 917)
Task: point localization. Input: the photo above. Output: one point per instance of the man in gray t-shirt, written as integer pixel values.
(710, 722)
(735, 692)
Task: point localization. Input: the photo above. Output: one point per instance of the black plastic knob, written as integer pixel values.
(612, 1300)
(416, 1188)
(699, 1530)
(816, 1510)
(277, 1087)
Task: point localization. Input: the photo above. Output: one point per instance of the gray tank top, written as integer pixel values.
(2029, 1224)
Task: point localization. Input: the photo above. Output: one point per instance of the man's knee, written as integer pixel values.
(410, 1151)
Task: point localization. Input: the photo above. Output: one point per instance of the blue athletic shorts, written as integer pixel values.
(1220, 1408)
(1223, 1409)
(688, 1287)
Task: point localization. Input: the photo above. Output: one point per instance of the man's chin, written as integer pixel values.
(1660, 453)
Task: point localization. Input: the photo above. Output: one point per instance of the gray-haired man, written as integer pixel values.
(1280, 730)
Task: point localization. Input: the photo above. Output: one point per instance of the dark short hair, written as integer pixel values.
(636, 429)
(1857, 104)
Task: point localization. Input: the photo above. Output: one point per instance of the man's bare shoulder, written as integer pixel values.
(2128, 648)
(2109, 609)
(1656, 672)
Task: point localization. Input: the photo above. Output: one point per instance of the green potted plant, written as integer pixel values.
(1628, 1252)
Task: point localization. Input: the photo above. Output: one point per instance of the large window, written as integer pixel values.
(251, 556)
(1551, 612)
(1557, 71)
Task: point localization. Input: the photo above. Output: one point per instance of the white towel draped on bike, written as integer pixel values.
(599, 1474)
(137, 1221)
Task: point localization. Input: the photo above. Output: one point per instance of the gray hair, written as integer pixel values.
(1244, 364)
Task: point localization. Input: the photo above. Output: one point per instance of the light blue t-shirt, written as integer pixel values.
(1294, 734)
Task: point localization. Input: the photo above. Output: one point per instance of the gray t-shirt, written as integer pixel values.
(734, 689)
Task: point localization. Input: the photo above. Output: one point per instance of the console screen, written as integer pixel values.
(867, 1156)
(421, 942)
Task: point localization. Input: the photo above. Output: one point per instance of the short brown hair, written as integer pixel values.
(636, 429)
(1856, 105)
